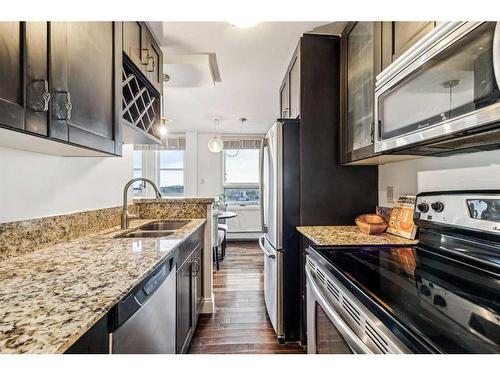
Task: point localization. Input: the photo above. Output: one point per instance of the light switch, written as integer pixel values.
(390, 194)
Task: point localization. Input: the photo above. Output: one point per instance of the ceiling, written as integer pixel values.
(251, 63)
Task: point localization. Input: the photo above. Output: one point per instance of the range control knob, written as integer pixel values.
(437, 206)
(423, 207)
(425, 290)
(439, 301)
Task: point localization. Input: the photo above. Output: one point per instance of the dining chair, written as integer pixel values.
(217, 238)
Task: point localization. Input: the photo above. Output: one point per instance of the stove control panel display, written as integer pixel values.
(475, 211)
(484, 209)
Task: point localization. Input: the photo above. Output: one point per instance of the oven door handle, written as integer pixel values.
(355, 343)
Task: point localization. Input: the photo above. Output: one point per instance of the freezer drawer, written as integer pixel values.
(273, 285)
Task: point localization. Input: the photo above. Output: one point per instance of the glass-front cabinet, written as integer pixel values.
(361, 55)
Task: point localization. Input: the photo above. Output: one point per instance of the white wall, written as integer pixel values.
(190, 165)
(36, 185)
(209, 168)
(469, 171)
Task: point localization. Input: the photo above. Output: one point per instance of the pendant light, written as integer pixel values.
(242, 121)
(163, 126)
(215, 143)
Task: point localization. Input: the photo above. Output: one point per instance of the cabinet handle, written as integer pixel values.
(197, 266)
(62, 105)
(38, 95)
(151, 60)
(145, 56)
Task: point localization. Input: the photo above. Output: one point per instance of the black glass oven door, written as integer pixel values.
(328, 338)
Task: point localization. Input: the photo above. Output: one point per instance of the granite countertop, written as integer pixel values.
(350, 236)
(206, 200)
(49, 298)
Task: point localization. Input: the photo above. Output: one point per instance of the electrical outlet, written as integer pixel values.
(390, 194)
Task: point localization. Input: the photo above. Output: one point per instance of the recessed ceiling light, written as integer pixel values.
(244, 23)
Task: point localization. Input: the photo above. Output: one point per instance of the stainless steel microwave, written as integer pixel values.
(442, 95)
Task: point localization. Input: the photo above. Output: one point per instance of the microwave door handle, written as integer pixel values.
(261, 185)
(355, 343)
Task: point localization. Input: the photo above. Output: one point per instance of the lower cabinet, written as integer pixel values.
(199, 280)
(94, 341)
(189, 297)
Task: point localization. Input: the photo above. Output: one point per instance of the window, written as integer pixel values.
(171, 172)
(137, 172)
(241, 176)
(164, 167)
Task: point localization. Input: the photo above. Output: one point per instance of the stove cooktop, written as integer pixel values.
(451, 306)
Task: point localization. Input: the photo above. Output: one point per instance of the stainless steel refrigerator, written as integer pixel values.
(280, 200)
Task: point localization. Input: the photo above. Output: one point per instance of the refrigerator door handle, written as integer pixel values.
(263, 248)
(263, 144)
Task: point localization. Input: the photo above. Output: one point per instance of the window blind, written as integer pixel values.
(171, 143)
(242, 144)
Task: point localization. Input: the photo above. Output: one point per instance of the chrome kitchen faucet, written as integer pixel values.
(125, 215)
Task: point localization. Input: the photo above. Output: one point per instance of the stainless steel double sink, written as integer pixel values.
(155, 229)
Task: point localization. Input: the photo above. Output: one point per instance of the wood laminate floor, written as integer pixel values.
(240, 324)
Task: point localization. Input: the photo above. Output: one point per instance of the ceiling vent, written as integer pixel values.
(191, 70)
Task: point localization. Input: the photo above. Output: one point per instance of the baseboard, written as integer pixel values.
(208, 306)
(242, 236)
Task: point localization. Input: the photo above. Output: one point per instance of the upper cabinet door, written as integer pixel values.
(398, 37)
(133, 41)
(85, 84)
(295, 88)
(141, 47)
(37, 78)
(12, 82)
(154, 66)
(361, 63)
(285, 99)
(290, 88)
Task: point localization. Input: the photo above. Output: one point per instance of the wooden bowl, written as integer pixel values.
(371, 223)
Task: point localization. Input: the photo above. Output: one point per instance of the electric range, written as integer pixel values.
(442, 295)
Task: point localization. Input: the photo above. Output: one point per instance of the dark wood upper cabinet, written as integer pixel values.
(141, 47)
(12, 74)
(361, 62)
(86, 102)
(133, 40)
(285, 99)
(37, 78)
(294, 79)
(398, 37)
(62, 81)
(290, 88)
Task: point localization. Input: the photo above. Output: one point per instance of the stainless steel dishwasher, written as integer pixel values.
(144, 321)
